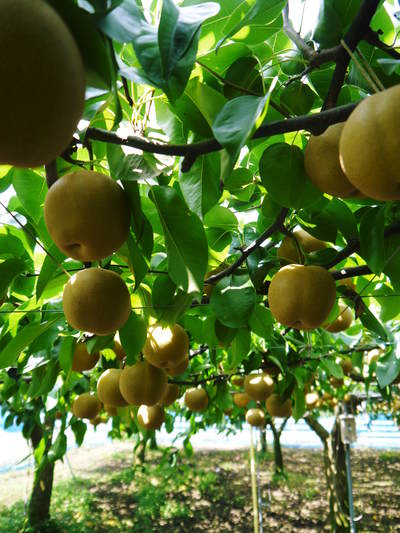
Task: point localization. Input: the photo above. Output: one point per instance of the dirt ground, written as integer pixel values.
(211, 492)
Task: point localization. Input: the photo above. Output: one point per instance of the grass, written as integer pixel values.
(211, 492)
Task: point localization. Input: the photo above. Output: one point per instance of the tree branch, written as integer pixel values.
(51, 173)
(313, 423)
(354, 35)
(312, 123)
(276, 226)
(372, 38)
(203, 348)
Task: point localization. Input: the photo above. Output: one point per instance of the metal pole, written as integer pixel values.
(259, 496)
(253, 483)
(350, 489)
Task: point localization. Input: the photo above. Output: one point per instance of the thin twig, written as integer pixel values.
(276, 226)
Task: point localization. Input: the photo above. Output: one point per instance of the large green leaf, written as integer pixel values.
(21, 340)
(31, 190)
(201, 186)
(185, 239)
(261, 13)
(166, 55)
(9, 269)
(282, 174)
(235, 123)
(133, 334)
(49, 268)
(372, 238)
(388, 367)
(233, 300)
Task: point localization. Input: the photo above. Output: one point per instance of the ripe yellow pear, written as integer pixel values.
(82, 359)
(241, 399)
(97, 301)
(255, 417)
(278, 407)
(322, 165)
(166, 346)
(369, 149)
(43, 83)
(143, 383)
(342, 321)
(108, 388)
(347, 366)
(301, 296)
(86, 405)
(179, 369)
(150, 417)
(98, 420)
(292, 247)
(172, 393)
(258, 386)
(87, 215)
(196, 400)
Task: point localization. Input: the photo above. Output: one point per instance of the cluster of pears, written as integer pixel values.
(260, 388)
(302, 296)
(360, 157)
(87, 215)
(143, 384)
(43, 83)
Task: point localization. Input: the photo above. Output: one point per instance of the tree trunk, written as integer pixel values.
(140, 455)
(40, 499)
(278, 457)
(153, 441)
(263, 440)
(335, 474)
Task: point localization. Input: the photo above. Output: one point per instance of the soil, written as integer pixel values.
(211, 492)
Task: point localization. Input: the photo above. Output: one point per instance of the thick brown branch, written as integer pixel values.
(354, 35)
(51, 173)
(276, 226)
(313, 423)
(312, 123)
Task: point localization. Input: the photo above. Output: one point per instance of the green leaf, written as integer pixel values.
(133, 334)
(49, 379)
(233, 300)
(244, 73)
(22, 339)
(239, 348)
(282, 174)
(66, 353)
(139, 245)
(298, 98)
(392, 263)
(236, 121)
(185, 240)
(59, 447)
(31, 191)
(261, 321)
(10, 269)
(343, 217)
(167, 55)
(299, 407)
(79, 428)
(221, 218)
(261, 13)
(332, 368)
(49, 268)
(372, 227)
(372, 323)
(388, 368)
(200, 186)
(98, 343)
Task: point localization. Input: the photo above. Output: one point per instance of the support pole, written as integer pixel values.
(350, 489)
(253, 482)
